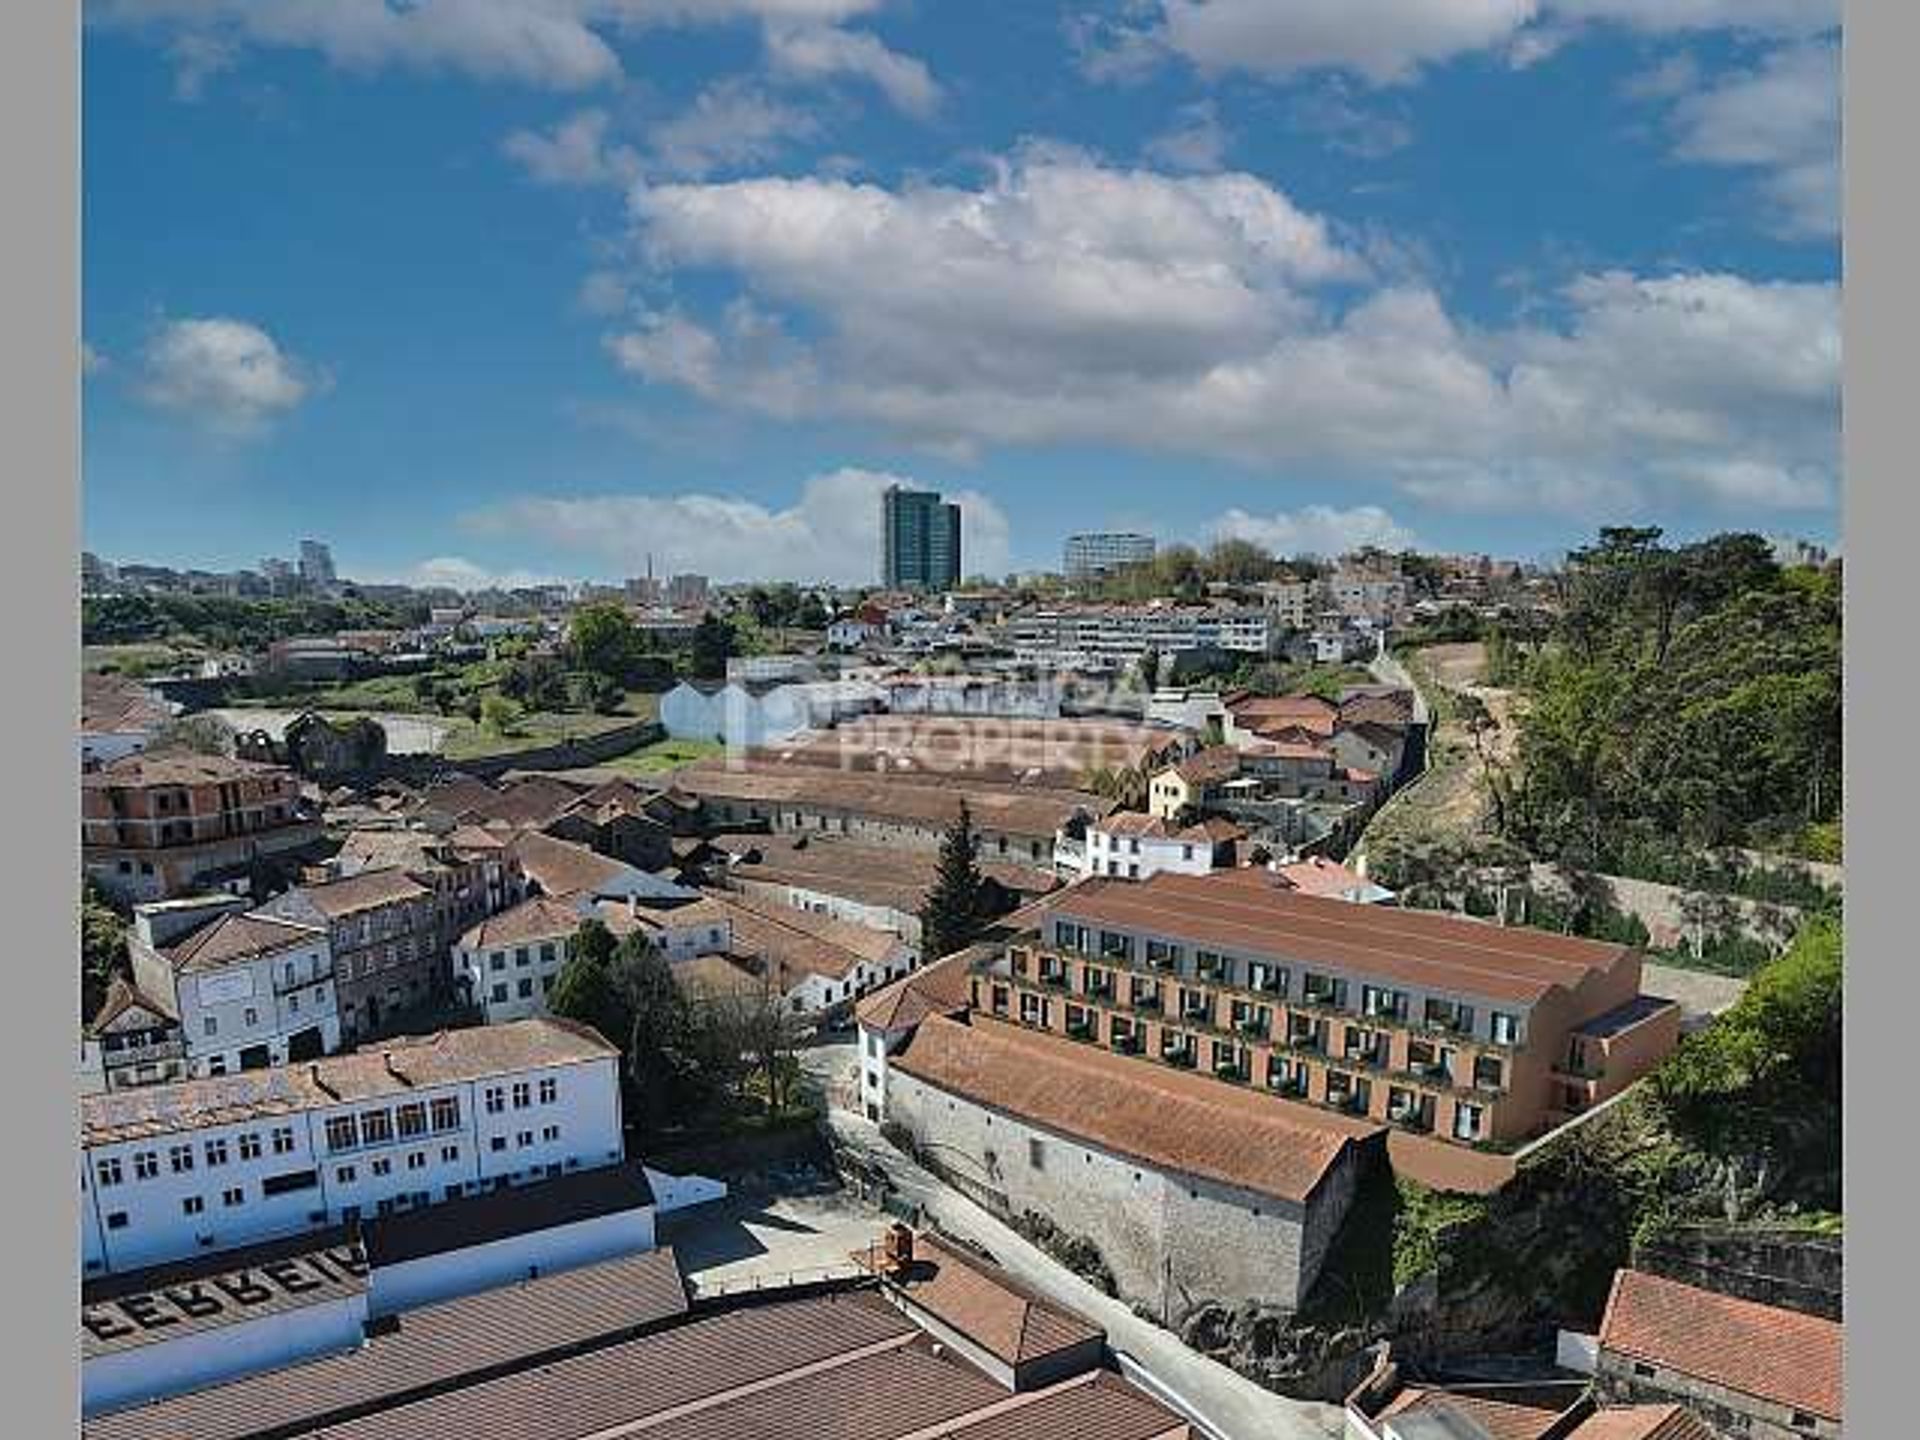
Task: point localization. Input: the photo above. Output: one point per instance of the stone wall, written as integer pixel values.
(1777, 1266)
(592, 750)
(1173, 1243)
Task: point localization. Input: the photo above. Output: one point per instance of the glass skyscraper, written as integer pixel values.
(919, 540)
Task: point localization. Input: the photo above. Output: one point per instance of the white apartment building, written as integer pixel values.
(511, 962)
(171, 1171)
(1132, 846)
(248, 991)
(1367, 594)
(1292, 602)
(1091, 555)
(1108, 637)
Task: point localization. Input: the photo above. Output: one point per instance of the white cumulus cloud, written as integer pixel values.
(830, 534)
(1387, 42)
(555, 44)
(1781, 118)
(228, 374)
(1315, 530)
(1063, 302)
(822, 52)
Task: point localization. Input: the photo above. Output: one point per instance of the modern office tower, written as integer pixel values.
(316, 563)
(919, 540)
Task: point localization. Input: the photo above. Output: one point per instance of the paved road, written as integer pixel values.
(1231, 1404)
(1389, 671)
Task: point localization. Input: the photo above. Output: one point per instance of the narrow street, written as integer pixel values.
(1232, 1406)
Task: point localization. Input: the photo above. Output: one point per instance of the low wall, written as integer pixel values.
(592, 750)
(1774, 1265)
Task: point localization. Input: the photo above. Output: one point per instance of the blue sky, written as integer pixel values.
(521, 289)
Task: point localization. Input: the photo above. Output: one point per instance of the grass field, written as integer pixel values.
(465, 739)
(148, 659)
(663, 755)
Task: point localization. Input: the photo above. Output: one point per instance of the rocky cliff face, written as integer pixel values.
(1502, 1277)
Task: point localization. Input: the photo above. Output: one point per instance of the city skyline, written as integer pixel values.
(1274, 290)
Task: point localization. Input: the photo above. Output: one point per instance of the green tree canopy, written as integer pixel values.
(955, 909)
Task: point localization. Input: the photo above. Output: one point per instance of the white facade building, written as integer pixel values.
(248, 991)
(1132, 846)
(1093, 554)
(511, 962)
(169, 1171)
(1107, 637)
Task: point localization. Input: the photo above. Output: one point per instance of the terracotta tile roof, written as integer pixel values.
(1246, 911)
(239, 937)
(1642, 1422)
(541, 918)
(1495, 1418)
(942, 988)
(126, 1008)
(1024, 811)
(426, 1348)
(396, 1067)
(1773, 1354)
(948, 744)
(1211, 831)
(986, 1305)
(473, 837)
(560, 867)
(1216, 762)
(178, 768)
(800, 940)
(1317, 875)
(368, 890)
(114, 704)
(1172, 1120)
(890, 876)
(417, 851)
(700, 1364)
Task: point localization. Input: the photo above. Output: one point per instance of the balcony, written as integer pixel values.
(1081, 1029)
(1103, 991)
(1167, 961)
(1147, 1000)
(1181, 1058)
(1200, 1013)
(1234, 1070)
(1123, 1043)
(1257, 1026)
(1054, 979)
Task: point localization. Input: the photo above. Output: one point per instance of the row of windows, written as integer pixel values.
(181, 1157)
(381, 1126)
(382, 1166)
(522, 1093)
(234, 1196)
(524, 989)
(497, 959)
(250, 1017)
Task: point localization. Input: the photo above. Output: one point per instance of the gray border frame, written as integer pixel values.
(40, 133)
(39, 129)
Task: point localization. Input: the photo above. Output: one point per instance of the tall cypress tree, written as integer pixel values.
(954, 912)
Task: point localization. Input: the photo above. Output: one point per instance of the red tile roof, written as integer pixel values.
(1497, 1419)
(1186, 1123)
(1642, 1422)
(239, 937)
(1772, 1354)
(395, 1067)
(986, 1305)
(541, 918)
(1248, 912)
(942, 988)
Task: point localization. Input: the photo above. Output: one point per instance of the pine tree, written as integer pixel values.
(955, 911)
(584, 989)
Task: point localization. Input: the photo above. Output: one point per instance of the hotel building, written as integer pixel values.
(1456, 1028)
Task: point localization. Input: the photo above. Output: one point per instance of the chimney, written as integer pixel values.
(314, 1072)
(386, 1060)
